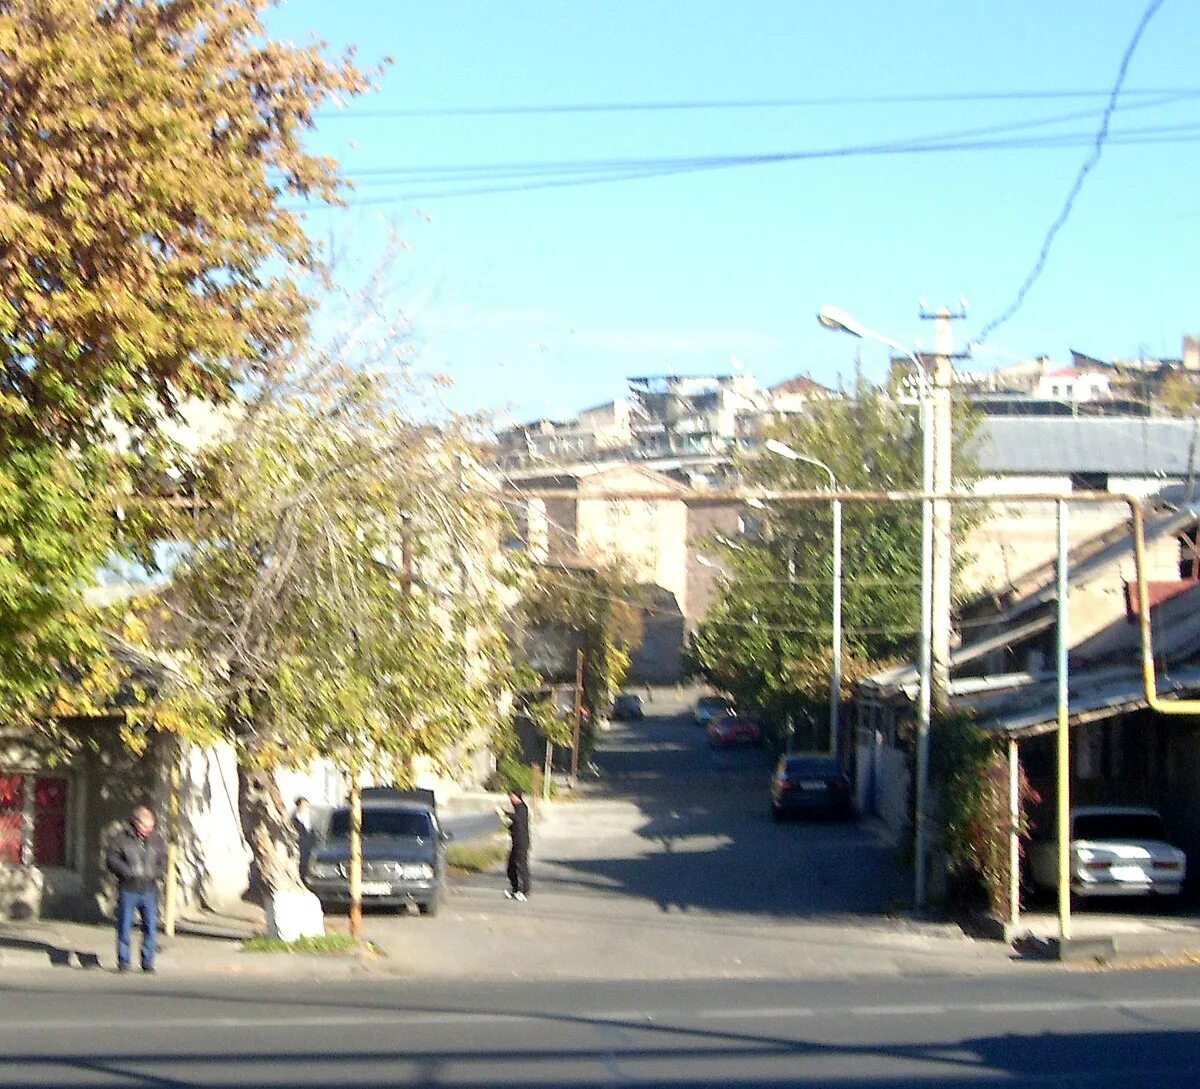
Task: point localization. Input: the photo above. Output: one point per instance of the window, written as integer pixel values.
(33, 819)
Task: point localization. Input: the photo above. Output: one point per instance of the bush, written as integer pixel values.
(476, 857)
(512, 774)
(323, 943)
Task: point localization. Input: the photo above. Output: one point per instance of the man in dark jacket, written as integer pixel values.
(137, 857)
(518, 852)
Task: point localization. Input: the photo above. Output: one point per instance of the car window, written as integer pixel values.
(383, 822)
(1119, 826)
(811, 765)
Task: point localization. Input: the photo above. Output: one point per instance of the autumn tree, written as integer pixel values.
(342, 593)
(150, 152)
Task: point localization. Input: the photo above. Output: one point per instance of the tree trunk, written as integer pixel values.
(292, 911)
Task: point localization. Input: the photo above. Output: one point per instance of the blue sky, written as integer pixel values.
(542, 301)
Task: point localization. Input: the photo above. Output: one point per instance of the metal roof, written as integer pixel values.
(1084, 444)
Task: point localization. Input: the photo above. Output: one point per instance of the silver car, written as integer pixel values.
(1115, 851)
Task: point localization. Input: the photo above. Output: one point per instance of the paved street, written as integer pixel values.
(1102, 1030)
(670, 867)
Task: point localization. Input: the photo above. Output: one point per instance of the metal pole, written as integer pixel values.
(1064, 739)
(835, 681)
(1014, 843)
(171, 882)
(355, 860)
(578, 715)
(925, 654)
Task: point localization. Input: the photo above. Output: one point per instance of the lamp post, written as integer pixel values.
(832, 317)
(835, 679)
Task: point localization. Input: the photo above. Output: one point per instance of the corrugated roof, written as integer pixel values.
(1084, 444)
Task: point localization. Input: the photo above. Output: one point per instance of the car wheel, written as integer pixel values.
(430, 908)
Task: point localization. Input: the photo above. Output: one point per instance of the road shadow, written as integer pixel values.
(60, 956)
(707, 842)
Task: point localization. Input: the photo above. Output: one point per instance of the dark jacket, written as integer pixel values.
(138, 864)
(519, 828)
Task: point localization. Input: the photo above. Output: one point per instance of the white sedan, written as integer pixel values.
(1115, 851)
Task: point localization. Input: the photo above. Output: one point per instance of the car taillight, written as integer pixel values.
(1096, 865)
(1166, 865)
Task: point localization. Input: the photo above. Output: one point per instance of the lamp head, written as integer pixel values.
(834, 317)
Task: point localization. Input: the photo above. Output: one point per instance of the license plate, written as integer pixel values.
(376, 888)
(812, 784)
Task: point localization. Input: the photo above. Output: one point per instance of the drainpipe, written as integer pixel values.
(1163, 707)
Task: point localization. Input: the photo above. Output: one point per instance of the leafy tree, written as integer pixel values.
(773, 619)
(342, 593)
(600, 607)
(146, 256)
(51, 544)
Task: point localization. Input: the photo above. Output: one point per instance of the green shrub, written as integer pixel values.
(322, 943)
(477, 857)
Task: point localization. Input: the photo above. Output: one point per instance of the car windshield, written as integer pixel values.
(401, 823)
(1119, 826)
(811, 765)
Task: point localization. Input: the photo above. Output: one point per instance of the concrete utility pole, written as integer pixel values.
(941, 384)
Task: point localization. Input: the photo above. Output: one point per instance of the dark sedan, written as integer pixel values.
(810, 783)
(627, 707)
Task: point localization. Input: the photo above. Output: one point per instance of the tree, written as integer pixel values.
(772, 622)
(342, 593)
(599, 607)
(146, 256)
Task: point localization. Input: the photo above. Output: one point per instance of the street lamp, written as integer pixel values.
(833, 317)
(835, 680)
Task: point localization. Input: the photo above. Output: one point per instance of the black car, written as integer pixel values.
(810, 783)
(627, 706)
(403, 856)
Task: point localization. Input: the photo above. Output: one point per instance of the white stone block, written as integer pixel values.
(292, 915)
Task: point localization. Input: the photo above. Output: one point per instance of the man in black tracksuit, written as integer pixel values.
(518, 852)
(137, 857)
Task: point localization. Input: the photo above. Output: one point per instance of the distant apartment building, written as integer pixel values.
(662, 416)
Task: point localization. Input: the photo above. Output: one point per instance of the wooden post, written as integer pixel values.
(535, 782)
(578, 716)
(355, 855)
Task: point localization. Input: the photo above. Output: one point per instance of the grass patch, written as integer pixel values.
(322, 943)
(477, 857)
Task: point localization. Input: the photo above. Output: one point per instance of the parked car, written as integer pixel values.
(810, 783)
(734, 730)
(710, 707)
(1115, 851)
(403, 851)
(627, 706)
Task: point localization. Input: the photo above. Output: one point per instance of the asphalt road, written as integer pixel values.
(1112, 1030)
(687, 827)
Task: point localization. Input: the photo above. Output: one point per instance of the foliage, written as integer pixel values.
(772, 623)
(511, 773)
(598, 608)
(969, 771)
(476, 857)
(146, 252)
(54, 534)
(320, 943)
(340, 590)
(1178, 394)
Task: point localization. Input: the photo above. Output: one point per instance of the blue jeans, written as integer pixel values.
(146, 905)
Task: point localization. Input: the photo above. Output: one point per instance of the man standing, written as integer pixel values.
(518, 852)
(137, 857)
(305, 837)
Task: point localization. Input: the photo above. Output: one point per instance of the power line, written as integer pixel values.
(568, 175)
(686, 105)
(1092, 159)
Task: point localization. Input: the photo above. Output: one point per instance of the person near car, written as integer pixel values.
(137, 858)
(305, 837)
(518, 851)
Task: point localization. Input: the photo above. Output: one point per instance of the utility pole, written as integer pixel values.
(943, 475)
(578, 714)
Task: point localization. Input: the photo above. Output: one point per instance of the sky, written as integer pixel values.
(576, 193)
